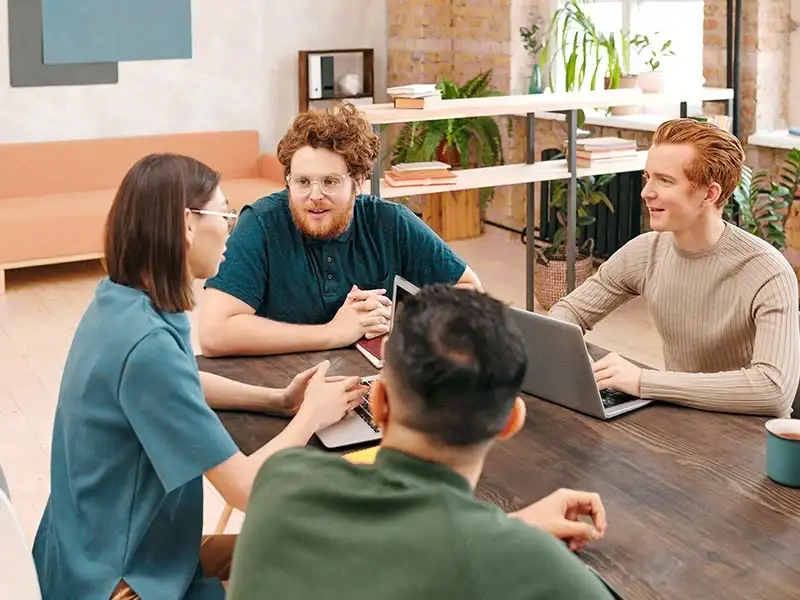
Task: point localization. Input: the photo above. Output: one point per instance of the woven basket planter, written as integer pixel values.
(550, 276)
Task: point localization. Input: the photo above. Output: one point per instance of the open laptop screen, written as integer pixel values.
(402, 290)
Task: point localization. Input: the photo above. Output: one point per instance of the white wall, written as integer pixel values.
(292, 25)
(243, 74)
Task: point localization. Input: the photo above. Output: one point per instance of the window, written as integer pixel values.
(678, 20)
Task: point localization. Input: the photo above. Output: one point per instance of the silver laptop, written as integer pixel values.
(357, 427)
(560, 368)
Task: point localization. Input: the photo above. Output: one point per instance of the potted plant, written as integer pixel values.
(653, 80)
(573, 36)
(619, 70)
(532, 42)
(550, 268)
(462, 143)
(759, 207)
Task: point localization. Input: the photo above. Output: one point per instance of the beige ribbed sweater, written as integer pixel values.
(727, 316)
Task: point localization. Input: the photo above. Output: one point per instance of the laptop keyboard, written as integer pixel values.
(612, 398)
(363, 411)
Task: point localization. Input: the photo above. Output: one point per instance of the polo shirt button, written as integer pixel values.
(330, 276)
(330, 259)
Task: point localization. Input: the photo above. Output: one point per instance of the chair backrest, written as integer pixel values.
(18, 578)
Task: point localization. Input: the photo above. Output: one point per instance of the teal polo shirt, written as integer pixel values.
(401, 529)
(284, 276)
(132, 438)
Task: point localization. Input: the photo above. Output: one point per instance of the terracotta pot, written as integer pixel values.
(448, 154)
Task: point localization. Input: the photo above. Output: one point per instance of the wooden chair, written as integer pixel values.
(227, 511)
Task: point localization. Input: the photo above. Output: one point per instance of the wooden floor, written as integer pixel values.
(43, 305)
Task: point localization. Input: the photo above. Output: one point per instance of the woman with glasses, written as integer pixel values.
(134, 433)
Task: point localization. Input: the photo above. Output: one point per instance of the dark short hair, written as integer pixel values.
(145, 240)
(456, 361)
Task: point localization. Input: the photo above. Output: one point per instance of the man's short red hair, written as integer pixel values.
(718, 155)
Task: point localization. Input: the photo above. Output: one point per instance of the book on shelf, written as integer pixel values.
(415, 96)
(421, 173)
(599, 144)
(593, 151)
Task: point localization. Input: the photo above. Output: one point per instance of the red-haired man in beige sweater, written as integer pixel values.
(725, 302)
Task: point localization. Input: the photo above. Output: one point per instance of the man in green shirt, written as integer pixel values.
(409, 526)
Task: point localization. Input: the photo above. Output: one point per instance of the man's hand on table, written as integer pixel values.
(613, 371)
(365, 313)
(558, 514)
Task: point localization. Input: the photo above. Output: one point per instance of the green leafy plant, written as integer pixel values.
(757, 205)
(657, 54)
(790, 172)
(572, 33)
(589, 194)
(532, 38)
(463, 142)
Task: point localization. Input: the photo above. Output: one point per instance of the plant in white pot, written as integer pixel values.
(550, 268)
(653, 80)
(620, 72)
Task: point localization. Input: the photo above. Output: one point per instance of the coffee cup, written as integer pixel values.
(783, 451)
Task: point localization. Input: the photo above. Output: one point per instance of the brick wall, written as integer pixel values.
(764, 60)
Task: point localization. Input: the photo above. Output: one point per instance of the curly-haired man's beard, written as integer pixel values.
(331, 225)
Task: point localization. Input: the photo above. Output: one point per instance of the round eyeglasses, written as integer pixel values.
(229, 216)
(330, 185)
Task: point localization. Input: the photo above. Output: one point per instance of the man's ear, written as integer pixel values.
(713, 194)
(359, 183)
(379, 404)
(516, 419)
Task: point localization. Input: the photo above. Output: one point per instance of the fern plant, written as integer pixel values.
(790, 173)
(464, 142)
(759, 202)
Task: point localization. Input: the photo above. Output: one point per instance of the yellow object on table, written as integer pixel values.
(363, 457)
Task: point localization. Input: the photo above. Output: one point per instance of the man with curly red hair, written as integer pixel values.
(309, 268)
(725, 302)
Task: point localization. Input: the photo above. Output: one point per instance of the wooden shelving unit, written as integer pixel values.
(532, 172)
(366, 72)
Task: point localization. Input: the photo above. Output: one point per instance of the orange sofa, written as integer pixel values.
(54, 196)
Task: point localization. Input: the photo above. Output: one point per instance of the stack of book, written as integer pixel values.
(418, 95)
(420, 173)
(590, 152)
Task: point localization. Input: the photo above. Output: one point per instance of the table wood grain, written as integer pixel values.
(691, 511)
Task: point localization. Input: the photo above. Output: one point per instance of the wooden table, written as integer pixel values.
(691, 512)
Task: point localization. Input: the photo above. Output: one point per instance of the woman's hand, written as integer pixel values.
(328, 399)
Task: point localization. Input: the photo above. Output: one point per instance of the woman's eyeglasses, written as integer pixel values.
(229, 216)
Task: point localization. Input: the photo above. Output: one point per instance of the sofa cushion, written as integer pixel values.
(53, 226)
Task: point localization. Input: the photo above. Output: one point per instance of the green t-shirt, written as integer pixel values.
(287, 277)
(403, 528)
